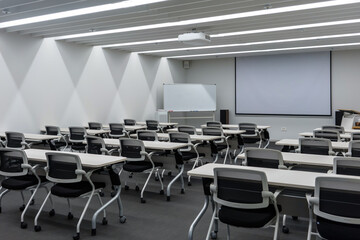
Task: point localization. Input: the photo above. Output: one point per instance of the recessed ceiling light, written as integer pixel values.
(215, 18)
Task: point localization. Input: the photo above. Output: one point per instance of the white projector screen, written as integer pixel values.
(288, 84)
(189, 97)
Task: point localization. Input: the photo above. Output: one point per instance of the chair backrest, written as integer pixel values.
(131, 149)
(212, 131)
(332, 135)
(187, 129)
(95, 125)
(61, 167)
(117, 130)
(129, 122)
(52, 130)
(250, 129)
(354, 148)
(14, 140)
(339, 129)
(147, 135)
(267, 158)
(240, 188)
(320, 146)
(94, 144)
(77, 134)
(347, 166)
(214, 124)
(152, 125)
(338, 199)
(180, 137)
(355, 136)
(11, 161)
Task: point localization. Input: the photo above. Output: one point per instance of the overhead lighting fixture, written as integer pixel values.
(215, 18)
(139, 43)
(266, 50)
(78, 12)
(252, 43)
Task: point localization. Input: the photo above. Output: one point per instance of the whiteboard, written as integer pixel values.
(189, 97)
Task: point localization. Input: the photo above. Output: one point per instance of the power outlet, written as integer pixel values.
(283, 129)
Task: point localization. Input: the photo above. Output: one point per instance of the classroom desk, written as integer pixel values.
(127, 127)
(236, 126)
(162, 124)
(66, 131)
(341, 146)
(311, 134)
(165, 136)
(225, 131)
(346, 130)
(92, 161)
(304, 159)
(34, 137)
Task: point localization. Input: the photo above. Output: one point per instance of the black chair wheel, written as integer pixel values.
(93, 232)
(126, 187)
(122, 219)
(32, 202)
(142, 200)
(23, 225)
(22, 208)
(295, 218)
(168, 198)
(101, 194)
(37, 228)
(189, 184)
(112, 194)
(104, 221)
(137, 188)
(157, 179)
(70, 216)
(76, 236)
(130, 176)
(52, 213)
(285, 229)
(161, 192)
(169, 173)
(213, 235)
(182, 191)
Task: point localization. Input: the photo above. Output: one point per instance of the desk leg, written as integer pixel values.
(174, 179)
(198, 217)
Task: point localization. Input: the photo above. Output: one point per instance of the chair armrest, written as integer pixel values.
(25, 145)
(282, 167)
(297, 150)
(26, 165)
(331, 153)
(80, 172)
(213, 188)
(348, 154)
(105, 151)
(330, 171)
(312, 200)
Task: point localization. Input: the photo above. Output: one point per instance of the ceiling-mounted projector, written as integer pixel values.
(194, 38)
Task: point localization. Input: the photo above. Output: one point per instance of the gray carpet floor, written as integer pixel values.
(156, 219)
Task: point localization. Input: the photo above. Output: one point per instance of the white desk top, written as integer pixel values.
(346, 130)
(295, 143)
(165, 136)
(87, 160)
(226, 131)
(127, 127)
(35, 137)
(163, 124)
(149, 144)
(311, 134)
(306, 159)
(236, 126)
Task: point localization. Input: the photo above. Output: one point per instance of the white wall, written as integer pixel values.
(47, 82)
(345, 86)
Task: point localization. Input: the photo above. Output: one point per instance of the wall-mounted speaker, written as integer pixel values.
(224, 116)
(186, 64)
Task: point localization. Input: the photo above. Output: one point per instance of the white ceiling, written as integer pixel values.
(177, 10)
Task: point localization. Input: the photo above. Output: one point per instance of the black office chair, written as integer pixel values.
(214, 124)
(137, 161)
(19, 176)
(66, 172)
(354, 149)
(77, 138)
(153, 125)
(59, 143)
(332, 135)
(355, 136)
(117, 130)
(16, 140)
(320, 146)
(242, 199)
(217, 146)
(147, 135)
(266, 158)
(95, 125)
(347, 166)
(251, 135)
(339, 129)
(129, 122)
(187, 129)
(336, 207)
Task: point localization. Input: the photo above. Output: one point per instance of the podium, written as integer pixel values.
(349, 118)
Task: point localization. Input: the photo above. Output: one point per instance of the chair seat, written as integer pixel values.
(250, 218)
(331, 230)
(72, 190)
(60, 144)
(21, 182)
(78, 146)
(139, 166)
(221, 147)
(251, 139)
(186, 156)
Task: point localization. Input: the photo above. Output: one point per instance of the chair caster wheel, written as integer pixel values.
(157, 179)
(189, 184)
(104, 221)
(168, 198)
(295, 218)
(93, 232)
(182, 191)
(285, 229)
(161, 192)
(101, 194)
(142, 200)
(37, 228)
(122, 219)
(76, 236)
(22, 208)
(52, 213)
(23, 225)
(112, 194)
(137, 188)
(130, 176)
(126, 187)
(32, 202)
(169, 174)
(213, 235)
(70, 216)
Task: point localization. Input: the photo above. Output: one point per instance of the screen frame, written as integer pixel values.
(277, 114)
